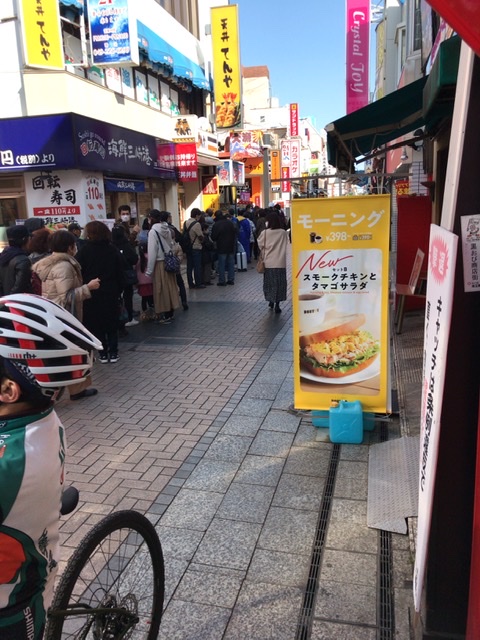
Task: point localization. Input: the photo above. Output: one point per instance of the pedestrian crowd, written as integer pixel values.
(94, 272)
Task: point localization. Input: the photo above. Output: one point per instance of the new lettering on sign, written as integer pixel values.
(438, 313)
(42, 38)
(340, 256)
(113, 33)
(227, 77)
(358, 42)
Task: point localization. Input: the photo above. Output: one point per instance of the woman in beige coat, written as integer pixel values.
(61, 278)
(273, 243)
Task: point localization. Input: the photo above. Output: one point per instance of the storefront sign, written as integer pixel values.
(294, 119)
(295, 169)
(42, 38)
(358, 43)
(106, 147)
(274, 165)
(166, 159)
(246, 144)
(124, 184)
(186, 162)
(340, 254)
(440, 288)
(285, 181)
(254, 167)
(231, 174)
(113, 33)
(61, 197)
(471, 252)
(210, 193)
(184, 129)
(36, 143)
(286, 149)
(227, 77)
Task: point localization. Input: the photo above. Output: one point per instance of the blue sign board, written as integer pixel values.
(43, 142)
(113, 33)
(124, 184)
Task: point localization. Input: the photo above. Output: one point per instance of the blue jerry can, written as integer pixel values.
(346, 422)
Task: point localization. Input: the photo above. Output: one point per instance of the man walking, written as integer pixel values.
(225, 236)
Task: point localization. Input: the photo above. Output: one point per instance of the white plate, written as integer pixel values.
(370, 372)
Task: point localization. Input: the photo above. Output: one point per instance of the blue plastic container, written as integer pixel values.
(368, 421)
(346, 422)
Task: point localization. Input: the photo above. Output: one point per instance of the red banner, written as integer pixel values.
(186, 161)
(358, 42)
(294, 119)
(285, 182)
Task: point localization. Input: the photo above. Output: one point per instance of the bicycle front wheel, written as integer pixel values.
(113, 585)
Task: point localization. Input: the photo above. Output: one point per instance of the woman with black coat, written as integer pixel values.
(99, 258)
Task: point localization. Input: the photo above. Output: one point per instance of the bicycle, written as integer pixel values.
(113, 586)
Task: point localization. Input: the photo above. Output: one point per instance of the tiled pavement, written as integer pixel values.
(192, 427)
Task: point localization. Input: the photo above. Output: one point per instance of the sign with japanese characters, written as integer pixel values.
(42, 38)
(186, 162)
(106, 147)
(471, 252)
(61, 197)
(245, 144)
(113, 33)
(340, 256)
(438, 313)
(36, 143)
(227, 77)
(294, 119)
(231, 173)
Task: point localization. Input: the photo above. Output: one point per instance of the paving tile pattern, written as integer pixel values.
(193, 426)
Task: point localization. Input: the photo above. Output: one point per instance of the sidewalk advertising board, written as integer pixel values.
(340, 256)
(438, 313)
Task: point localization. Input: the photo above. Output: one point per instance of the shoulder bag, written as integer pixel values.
(171, 261)
(260, 260)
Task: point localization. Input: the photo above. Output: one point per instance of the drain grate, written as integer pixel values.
(306, 616)
(385, 590)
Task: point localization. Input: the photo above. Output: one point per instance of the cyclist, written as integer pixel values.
(43, 349)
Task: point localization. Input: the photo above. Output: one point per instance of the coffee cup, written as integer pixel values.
(312, 307)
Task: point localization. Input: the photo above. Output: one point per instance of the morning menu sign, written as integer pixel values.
(340, 258)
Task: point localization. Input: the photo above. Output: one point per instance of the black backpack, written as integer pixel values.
(185, 241)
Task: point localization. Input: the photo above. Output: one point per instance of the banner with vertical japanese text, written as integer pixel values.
(358, 49)
(294, 119)
(42, 38)
(227, 76)
(340, 257)
(440, 290)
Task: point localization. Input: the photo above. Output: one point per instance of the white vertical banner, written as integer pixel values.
(295, 169)
(286, 148)
(438, 313)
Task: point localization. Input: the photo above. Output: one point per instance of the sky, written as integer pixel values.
(303, 45)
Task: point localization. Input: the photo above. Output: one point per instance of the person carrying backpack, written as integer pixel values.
(192, 228)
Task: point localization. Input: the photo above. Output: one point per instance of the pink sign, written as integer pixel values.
(358, 42)
(294, 119)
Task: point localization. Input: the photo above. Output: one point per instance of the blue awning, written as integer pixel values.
(154, 46)
(158, 50)
(78, 4)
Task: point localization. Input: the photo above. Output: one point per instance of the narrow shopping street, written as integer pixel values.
(262, 519)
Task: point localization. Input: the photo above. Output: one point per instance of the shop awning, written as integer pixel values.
(155, 47)
(376, 124)
(78, 4)
(160, 51)
(420, 104)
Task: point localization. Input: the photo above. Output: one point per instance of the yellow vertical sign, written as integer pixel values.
(42, 38)
(227, 78)
(340, 257)
(275, 166)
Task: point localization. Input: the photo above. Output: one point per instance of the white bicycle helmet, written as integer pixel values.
(44, 343)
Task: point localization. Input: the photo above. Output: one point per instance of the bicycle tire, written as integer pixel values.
(94, 577)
